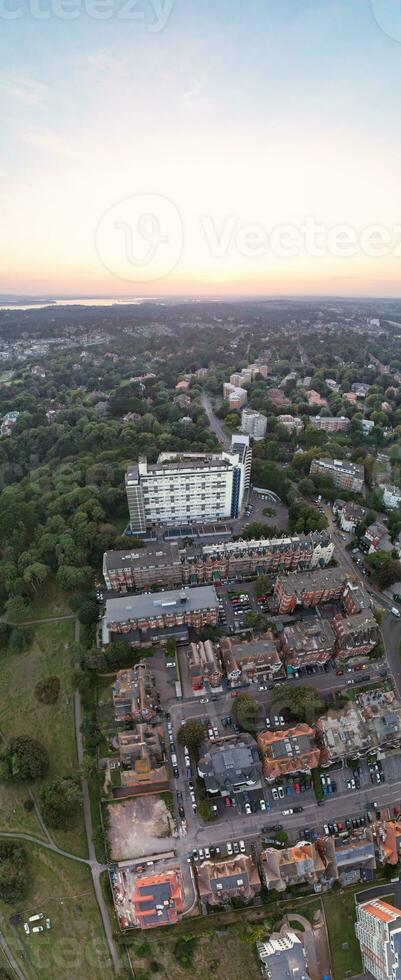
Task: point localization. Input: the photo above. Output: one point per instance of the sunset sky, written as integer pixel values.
(151, 158)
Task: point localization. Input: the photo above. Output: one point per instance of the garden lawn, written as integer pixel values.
(22, 714)
(340, 917)
(75, 945)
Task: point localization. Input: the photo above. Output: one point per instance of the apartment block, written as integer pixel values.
(282, 957)
(157, 564)
(387, 835)
(224, 559)
(355, 635)
(253, 424)
(246, 662)
(370, 724)
(204, 665)
(350, 515)
(305, 862)
(148, 900)
(288, 751)
(188, 487)
(230, 765)
(346, 475)
(235, 395)
(378, 929)
(311, 642)
(291, 422)
(391, 497)
(309, 588)
(221, 881)
(330, 423)
(150, 617)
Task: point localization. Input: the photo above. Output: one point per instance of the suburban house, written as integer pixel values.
(246, 662)
(305, 862)
(134, 694)
(283, 957)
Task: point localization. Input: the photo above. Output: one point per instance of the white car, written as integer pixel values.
(26, 928)
(282, 720)
(170, 663)
(262, 804)
(326, 829)
(287, 813)
(201, 854)
(216, 732)
(203, 700)
(281, 792)
(207, 853)
(48, 924)
(38, 929)
(242, 846)
(210, 734)
(276, 720)
(267, 722)
(248, 808)
(274, 793)
(229, 848)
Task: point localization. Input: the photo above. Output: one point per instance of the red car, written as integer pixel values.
(234, 694)
(339, 672)
(228, 800)
(297, 788)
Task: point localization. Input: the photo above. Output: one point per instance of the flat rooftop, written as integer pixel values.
(148, 606)
(155, 553)
(322, 578)
(343, 466)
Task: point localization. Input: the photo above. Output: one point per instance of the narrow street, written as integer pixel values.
(215, 423)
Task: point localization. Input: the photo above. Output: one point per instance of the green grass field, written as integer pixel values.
(340, 917)
(21, 713)
(75, 945)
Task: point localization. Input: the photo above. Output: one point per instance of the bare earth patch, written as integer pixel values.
(140, 827)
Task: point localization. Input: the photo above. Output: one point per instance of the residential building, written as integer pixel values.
(253, 423)
(378, 929)
(367, 426)
(134, 694)
(283, 957)
(391, 496)
(230, 765)
(330, 423)
(142, 568)
(246, 663)
(355, 635)
(204, 665)
(228, 559)
(350, 397)
(361, 390)
(350, 515)
(155, 616)
(188, 487)
(142, 758)
(183, 385)
(354, 856)
(8, 423)
(235, 395)
(305, 862)
(221, 881)
(307, 643)
(355, 600)
(387, 835)
(315, 399)
(146, 900)
(309, 588)
(376, 538)
(346, 475)
(288, 751)
(369, 724)
(291, 422)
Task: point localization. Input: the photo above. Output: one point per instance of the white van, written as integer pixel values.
(36, 918)
(395, 612)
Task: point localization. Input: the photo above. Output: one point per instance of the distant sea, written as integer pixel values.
(114, 301)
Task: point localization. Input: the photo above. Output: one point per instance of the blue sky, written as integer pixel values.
(267, 110)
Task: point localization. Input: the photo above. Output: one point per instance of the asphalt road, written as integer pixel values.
(215, 423)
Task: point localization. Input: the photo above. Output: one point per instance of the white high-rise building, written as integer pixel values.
(378, 928)
(253, 423)
(184, 488)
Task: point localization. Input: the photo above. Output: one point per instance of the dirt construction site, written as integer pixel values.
(139, 827)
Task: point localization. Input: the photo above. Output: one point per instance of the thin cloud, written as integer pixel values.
(49, 142)
(25, 89)
(105, 63)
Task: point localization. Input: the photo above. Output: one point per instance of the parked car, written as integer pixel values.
(248, 808)
(280, 790)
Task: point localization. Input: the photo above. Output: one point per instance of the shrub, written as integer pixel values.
(47, 691)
